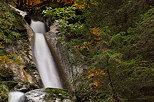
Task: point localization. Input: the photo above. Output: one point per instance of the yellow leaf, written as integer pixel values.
(96, 31)
(98, 39)
(79, 5)
(91, 75)
(97, 84)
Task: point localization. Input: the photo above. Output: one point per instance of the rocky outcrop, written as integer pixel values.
(16, 50)
(26, 72)
(60, 54)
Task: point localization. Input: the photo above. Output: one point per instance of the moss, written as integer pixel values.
(6, 87)
(4, 93)
(54, 93)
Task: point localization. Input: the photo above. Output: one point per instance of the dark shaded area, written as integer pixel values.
(28, 20)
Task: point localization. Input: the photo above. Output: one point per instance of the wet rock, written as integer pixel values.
(48, 95)
(37, 95)
(24, 87)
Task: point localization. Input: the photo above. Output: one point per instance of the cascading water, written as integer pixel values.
(38, 27)
(44, 59)
(16, 97)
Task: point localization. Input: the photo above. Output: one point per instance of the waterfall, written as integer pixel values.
(44, 60)
(16, 97)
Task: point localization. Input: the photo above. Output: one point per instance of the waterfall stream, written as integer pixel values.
(44, 60)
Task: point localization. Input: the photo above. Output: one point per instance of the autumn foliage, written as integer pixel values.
(33, 2)
(6, 61)
(36, 2)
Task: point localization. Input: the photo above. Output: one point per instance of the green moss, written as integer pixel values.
(5, 88)
(4, 93)
(54, 93)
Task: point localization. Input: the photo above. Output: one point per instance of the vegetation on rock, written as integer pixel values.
(13, 44)
(61, 94)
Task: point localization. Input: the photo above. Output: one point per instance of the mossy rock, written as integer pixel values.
(54, 93)
(24, 86)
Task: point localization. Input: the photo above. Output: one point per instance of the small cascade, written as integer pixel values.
(16, 96)
(44, 60)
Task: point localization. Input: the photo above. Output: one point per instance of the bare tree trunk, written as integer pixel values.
(18, 3)
(21, 3)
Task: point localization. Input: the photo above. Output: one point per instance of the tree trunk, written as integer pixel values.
(114, 95)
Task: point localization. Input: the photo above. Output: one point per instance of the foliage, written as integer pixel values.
(6, 64)
(108, 38)
(32, 3)
(9, 30)
(69, 23)
(4, 93)
(66, 13)
(113, 45)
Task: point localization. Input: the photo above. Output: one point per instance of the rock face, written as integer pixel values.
(27, 71)
(17, 67)
(62, 57)
(23, 73)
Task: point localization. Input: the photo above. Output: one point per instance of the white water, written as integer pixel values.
(44, 59)
(16, 97)
(38, 27)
